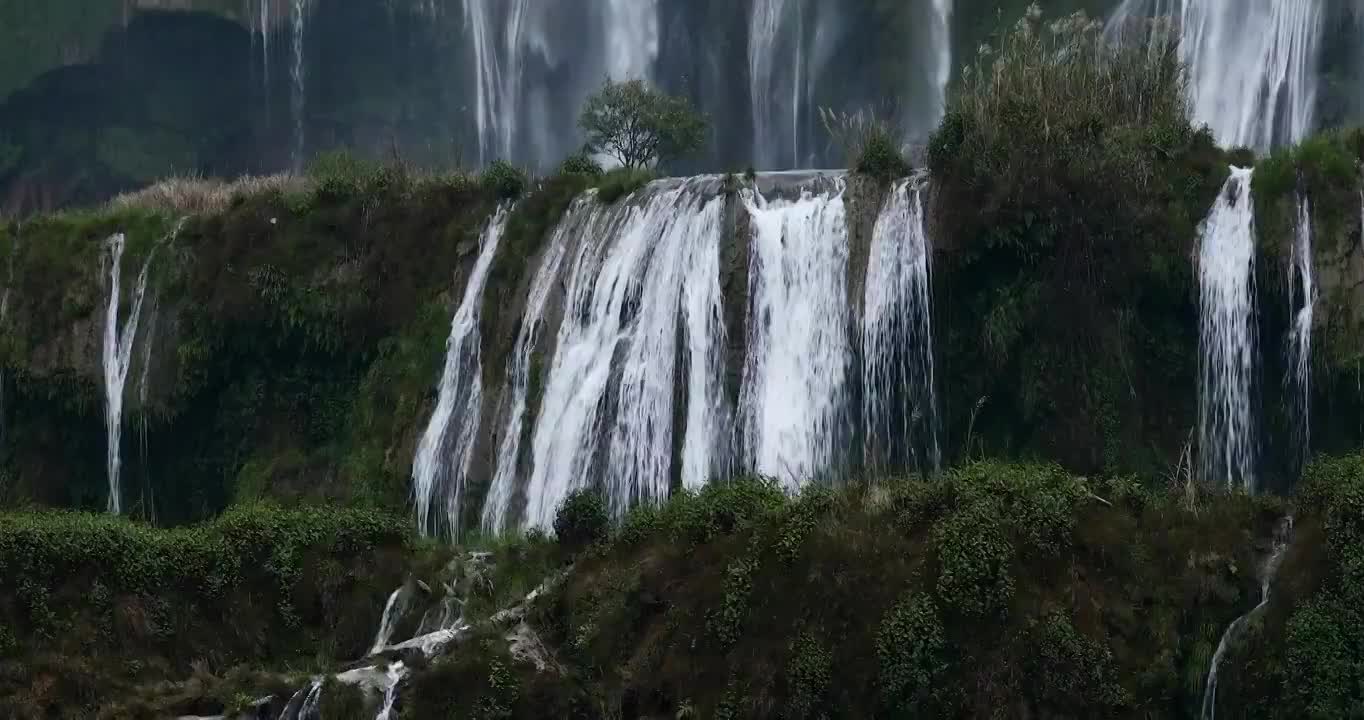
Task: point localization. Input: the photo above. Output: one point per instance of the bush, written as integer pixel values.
(504, 180)
(621, 182)
(881, 158)
(582, 520)
(911, 649)
(581, 163)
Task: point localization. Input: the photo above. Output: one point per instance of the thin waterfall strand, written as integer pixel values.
(117, 356)
(441, 466)
(298, 98)
(1227, 338)
(795, 372)
(497, 505)
(388, 621)
(899, 403)
(1283, 535)
(1303, 291)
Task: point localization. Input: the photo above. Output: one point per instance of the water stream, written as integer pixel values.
(117, 357)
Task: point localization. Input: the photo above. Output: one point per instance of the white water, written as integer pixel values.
(899, 402)
(940, 56)
(632, 36)
(1252, 64)
(1227, 338)
(620, 296)
(388, 622)
(684, 232)
(498, 502)
(499, 52)
(299, 75)
(440, 469)
(311, 709)
(1282, 537)
(764, 32)
(117, 356)
(1303, 290)
(396, 672)
(795, 372)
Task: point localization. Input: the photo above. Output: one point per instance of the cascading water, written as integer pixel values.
(940, 57)
(441, 466)
(795, 373)
(1283, 535)
(498, 58)
(1252, 64)
(117, 356)
(1302, 292)
(612, 301)
(388, 621)
(299, 75)
(899, 403)
(394, 675)
(685, 261)
(1227, 338)
(498, 502)
(632, 36)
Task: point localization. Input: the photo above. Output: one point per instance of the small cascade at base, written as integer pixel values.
(441, 466)
(117, 357)
(388, 622)
(1227, 338)
(1283, 535)
(793, 404)
(899, 404)
(1302, 290)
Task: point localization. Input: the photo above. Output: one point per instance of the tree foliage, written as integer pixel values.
(639, 126)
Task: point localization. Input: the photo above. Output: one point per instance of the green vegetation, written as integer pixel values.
(95, 607)
(999, 585)
(1068, 186)
(641, 127)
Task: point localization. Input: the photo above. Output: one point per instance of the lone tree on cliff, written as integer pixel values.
(640, 126)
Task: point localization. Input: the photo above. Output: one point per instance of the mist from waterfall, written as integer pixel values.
(440, 469)
(899, 401)
(1252, 65)
(1302, 291)
(117, 358)
(793, 404)
(1227, 338)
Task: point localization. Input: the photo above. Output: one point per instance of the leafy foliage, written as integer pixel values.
(582, 519)
(640, 126)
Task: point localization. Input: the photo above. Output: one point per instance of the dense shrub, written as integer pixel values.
(504, 180)
(581, 163)
(621, 182)
(582, 520)
(1068, 186)
(881, 158)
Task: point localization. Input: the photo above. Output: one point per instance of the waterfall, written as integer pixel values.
(498, 66)
(148, 345)
(388, 621)
(768, 26)
(299, 75)
(1303, 291)
(498, 502)
(897, 338)
(441, 466)
(117, 356)
(1227, 340)
(632, 36)
(1252, 64)
(940, 62)
(619, 296)
(686, 249)
(395, 674)
(795, 372)
(1282, 536)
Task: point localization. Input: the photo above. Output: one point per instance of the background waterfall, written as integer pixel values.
(439, 472)
(793, 405)
(117, 358)
(1227, 338)
(298, 74)
(1302, 292)
(1252, 64)
(899, 403)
